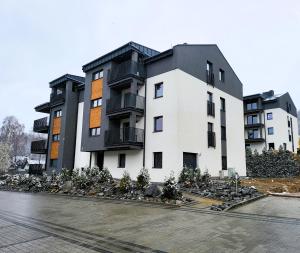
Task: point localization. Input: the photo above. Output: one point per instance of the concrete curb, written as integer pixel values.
(245, 202)
(286, 195)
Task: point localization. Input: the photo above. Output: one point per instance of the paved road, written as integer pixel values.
(48, 223)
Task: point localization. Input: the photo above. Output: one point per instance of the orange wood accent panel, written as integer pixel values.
(54, 150)
(97, 89)
(56, 125)
(95, 117)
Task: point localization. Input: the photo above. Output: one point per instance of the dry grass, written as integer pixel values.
(278, 185)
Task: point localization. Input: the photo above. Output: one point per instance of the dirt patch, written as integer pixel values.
(202, 202)
(278, 185)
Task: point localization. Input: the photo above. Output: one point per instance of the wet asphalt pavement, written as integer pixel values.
(51, 223)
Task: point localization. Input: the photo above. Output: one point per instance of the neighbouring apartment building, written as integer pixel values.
(137, 107)
(270, 122)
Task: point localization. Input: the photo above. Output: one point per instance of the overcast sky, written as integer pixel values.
(42, 40)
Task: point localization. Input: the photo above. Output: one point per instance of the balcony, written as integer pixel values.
(41, 125)
(210, 77)
(252, 110)
(254, 140)
(210, 108)
(119, 106)
(44, 108)
(125, 71)
(39, 147)
(57, 99)
(211, 137)
(254, 125)
(124, 138)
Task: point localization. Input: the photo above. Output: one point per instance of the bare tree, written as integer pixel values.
(12, 133)
(5, 150)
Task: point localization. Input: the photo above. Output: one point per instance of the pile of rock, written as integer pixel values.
(226, 191)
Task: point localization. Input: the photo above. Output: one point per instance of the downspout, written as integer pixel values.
(145, 112)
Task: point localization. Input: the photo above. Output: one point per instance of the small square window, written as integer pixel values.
(270, 130)
(157, 160)
(221, 75)
(57, 114)
(269, 116)
(96, 102)
(98, 75)
(158, 124)
(55, 137)
(122, 161)
(159, 90)
(95, 131)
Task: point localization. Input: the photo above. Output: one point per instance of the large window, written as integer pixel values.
(122, 161)
(252, 119)
(252, 106)
(57, 114)
(95, 131)
(158, 124)
(157, 160)
(159, 90)
(98, 75)
(253, 134)
(96, 102)
(270, 130)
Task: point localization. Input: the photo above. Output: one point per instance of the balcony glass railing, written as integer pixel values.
(41, 125)
(39, 147)
(125, 102)
(124, 136)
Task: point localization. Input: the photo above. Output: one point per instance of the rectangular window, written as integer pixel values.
(223, 133)
(253, 134)
(224, 162)
(271, 146)
(59, 91)
(209, 96)
(223, 106)
(53, 163)
(252, 106)
(157, 160)
(57, 114)
(270, 130)
(209, 67)
(269, 116)
(252, 119)
(289, 122)
(290, 136)
(210, 127)
(159, 89)
(55, 137)
(158, 124)
(122, 161)
(221, 75)
(96, 102)
(98, 75)
(284, 146)
(211, 137)
(95, 131)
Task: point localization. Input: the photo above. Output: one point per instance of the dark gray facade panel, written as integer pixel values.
(281, 102)
(192, 59)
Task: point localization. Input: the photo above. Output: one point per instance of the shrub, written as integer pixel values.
(125, 182)
(104, 176)
(190, 177)
(143, 179)
(80, 180)
(171, 189)
(66, 174)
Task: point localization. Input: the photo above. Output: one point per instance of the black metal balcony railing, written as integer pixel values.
(39, 147)
(129, 101)
(36, 169)
(41, 125)
(254, 140)
(126, 69)
(254, 125)
(210, 77)
(57, 98)
(210, 108)
(211, 137)
(124, 136)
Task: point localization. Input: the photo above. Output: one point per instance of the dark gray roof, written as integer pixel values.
(66, 77)
(146, 51)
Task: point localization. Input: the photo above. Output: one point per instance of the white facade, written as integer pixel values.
(184, 110)
(82, 159)
(282, 131)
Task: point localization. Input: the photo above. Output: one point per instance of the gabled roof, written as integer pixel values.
(146, 51)
(66, 77)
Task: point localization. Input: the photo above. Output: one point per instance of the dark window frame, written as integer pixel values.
(122, 160)
(100, 76)
(223, 104)
(98, 104)
(95, 129)
(157, 160)
(58, 113)
(269, 130)
(156, 90)
(55, 137)
(270, 114)
(221, 75)
(155, 130)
